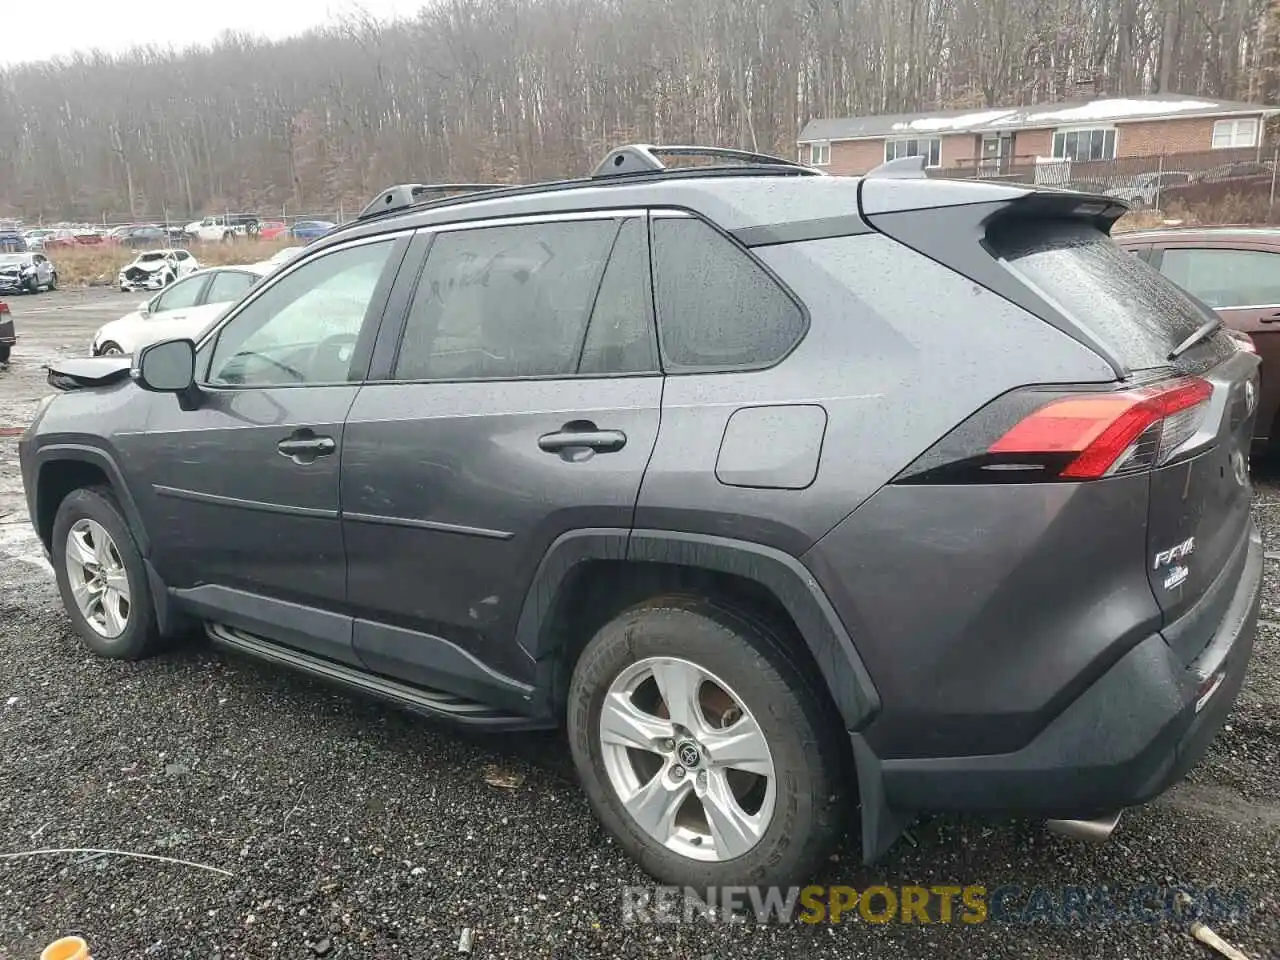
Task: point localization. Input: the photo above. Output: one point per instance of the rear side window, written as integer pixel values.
(717, 307)
(504, 302)
(620, 337)
(1225, 278)
(1113, 294)
(228, 285)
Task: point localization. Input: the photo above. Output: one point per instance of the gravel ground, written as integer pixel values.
(352, 830)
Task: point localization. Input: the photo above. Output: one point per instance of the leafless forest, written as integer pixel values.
(520, 89)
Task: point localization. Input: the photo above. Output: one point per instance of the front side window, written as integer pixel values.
(302, 329)
(928, 147)
(717, 307)
(1085, 145)
(182, 294)
(819, 154)
(1228, 134)
(504, 302)
(1225, 278)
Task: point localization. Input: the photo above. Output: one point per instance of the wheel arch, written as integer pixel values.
(64, 467)
(586, 576)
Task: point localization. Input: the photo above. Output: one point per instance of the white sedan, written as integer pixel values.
(186, 309)
(156, 269)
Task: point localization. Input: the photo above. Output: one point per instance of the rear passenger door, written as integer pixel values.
(516, 397)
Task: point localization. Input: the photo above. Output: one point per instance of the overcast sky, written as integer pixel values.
(116, 27)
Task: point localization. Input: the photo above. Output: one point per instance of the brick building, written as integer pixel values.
(1047, 137)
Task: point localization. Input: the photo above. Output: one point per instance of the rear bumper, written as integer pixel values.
(1129, 736)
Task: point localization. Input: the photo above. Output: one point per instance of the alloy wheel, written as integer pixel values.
(687, 759)
(98, 579)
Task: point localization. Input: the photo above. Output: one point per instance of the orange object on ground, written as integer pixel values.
(67, 948)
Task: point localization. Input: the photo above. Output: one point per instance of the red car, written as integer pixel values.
(1236, 271)
(273, 229)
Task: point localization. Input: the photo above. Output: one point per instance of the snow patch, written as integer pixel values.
(1118, 109)
(963, 122)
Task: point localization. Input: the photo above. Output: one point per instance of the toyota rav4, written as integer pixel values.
(777, 489)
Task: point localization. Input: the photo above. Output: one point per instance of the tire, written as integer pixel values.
(5, 349)
(33, 285)
(110, 349)
(746, 659)
(168, 279)
(94, 509)
(53, 282)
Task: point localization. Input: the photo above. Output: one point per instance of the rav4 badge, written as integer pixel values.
(1166, 557)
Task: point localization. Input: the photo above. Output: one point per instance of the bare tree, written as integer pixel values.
(520, 89)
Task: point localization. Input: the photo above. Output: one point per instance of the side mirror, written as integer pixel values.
(166, 367)
(144, 307)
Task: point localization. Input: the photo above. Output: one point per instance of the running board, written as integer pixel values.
(435, 703)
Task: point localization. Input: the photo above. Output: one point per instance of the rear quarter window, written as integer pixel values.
(718, 309)
(1115, 295)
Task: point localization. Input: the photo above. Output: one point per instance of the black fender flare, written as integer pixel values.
(169, 620)
(833, 650)
(86, 453)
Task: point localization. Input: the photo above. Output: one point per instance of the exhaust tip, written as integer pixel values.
(1096, 830)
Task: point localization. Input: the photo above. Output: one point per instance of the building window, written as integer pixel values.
(1235, 133)
(1084, 144)
(819, 154)
(928, 147)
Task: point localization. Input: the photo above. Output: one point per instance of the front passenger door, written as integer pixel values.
(523, 403)
(245, 487)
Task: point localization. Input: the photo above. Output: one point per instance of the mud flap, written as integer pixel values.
(881, 825)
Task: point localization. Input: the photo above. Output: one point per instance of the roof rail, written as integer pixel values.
(405, 195)
(904, 168)
(645, 158)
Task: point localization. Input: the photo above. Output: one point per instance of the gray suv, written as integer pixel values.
(777, 489)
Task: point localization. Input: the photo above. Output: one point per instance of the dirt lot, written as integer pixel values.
(350, 830)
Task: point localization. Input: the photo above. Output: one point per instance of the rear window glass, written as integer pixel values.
(1115, 295)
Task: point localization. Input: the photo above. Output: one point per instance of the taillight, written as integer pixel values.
(1243, 341)
(1072, 436)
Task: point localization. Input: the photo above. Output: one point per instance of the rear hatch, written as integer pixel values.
(1199, 409)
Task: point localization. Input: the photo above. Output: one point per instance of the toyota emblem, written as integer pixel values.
(688, 754)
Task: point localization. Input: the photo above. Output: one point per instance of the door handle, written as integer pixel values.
(582, 435)
(305, 447)
(1270, 318)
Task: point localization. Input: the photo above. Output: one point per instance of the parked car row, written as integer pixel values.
(220, 229)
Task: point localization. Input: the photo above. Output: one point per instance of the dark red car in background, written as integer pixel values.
(1236, 271)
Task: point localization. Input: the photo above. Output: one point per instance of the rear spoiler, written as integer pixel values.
(900, 186)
